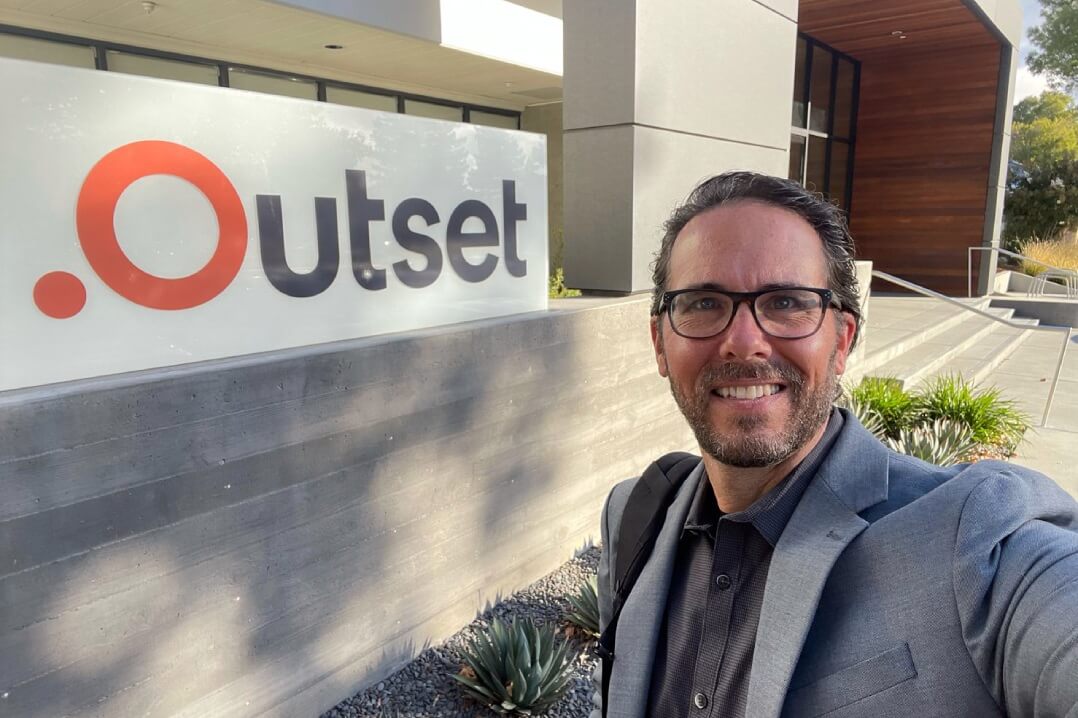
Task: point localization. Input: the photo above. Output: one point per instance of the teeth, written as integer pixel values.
(747, 392)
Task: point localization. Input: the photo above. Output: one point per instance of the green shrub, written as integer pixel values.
(885, 398)
(585, 607)
(944, 442)
(556, 288)
(519, 669)
(992, 420)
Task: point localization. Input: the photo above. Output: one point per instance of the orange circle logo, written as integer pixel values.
(101, 191)
(60, 295)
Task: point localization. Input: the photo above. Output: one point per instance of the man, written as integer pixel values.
(802, 568)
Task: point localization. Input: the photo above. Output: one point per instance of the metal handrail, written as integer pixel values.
(1009, 253)
(1015, 325)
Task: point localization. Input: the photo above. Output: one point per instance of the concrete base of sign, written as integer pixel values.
(265, 536)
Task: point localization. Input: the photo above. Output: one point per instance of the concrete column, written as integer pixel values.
(997, 173)
(659, 95)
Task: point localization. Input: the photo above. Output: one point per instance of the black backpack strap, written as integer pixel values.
(641, 520)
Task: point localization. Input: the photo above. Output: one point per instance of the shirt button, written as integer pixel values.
(700, 701)
(723, 581)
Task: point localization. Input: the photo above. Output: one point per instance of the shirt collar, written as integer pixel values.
(772, 511)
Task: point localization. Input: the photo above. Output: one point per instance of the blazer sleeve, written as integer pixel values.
(1016, 584)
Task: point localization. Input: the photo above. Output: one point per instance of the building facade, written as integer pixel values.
(267, 530)
(900, 112)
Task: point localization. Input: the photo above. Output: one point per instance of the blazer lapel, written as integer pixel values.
(642, 616)
(852, 478)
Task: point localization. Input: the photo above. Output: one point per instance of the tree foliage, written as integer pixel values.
(1045, 130)
(1042, 189)
(1042, 202)
(1055, 43)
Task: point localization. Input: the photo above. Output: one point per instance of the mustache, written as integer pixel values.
(778, 372)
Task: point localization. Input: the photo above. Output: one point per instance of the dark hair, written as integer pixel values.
(827, 219)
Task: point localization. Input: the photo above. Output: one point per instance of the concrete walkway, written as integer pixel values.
(1025, 377)
(906, 332)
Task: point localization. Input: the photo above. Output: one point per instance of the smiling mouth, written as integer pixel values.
(754, 391)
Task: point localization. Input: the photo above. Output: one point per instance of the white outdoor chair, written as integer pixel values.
(1040, 282)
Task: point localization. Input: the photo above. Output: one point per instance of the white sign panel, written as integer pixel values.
(148, 223)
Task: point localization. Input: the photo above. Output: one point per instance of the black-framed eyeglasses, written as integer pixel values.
(786, 313)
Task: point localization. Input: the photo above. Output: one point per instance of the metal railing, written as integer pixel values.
(1009, 253)
(1014, 325)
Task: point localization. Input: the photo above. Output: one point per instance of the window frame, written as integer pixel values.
(829, 137)
(101, 48)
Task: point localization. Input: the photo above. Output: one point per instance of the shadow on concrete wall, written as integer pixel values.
(264, 537)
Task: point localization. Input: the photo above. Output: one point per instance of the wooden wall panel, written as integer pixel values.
(862, 26)
(924, 146)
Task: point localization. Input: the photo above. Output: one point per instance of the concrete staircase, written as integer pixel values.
(913, 339)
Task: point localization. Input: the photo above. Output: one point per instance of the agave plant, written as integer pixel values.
(869, 417)
(944, 442)
(585, 607)
(519, 669)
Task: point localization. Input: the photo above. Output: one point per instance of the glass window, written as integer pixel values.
(797, 158)
(158, 67)
(817, 158)
(434, 110)
(821, 89)
(840, 164)
(272, 84)
(844, 99)
(58, 53)
(798, 118)
(493, 119)
(358, 98)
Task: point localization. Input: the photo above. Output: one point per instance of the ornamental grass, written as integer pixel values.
(1062, 253)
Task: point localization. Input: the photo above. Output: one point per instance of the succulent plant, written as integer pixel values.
(944, 442)
(516, 669)
(585, 607)
(869, 417)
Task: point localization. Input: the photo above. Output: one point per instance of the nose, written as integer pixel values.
(743, 338)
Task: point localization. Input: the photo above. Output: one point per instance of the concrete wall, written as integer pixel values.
(263, 537)
(864, 285)
(546, 119)
(659, 96)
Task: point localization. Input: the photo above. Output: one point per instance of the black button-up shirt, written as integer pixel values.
(704, 652)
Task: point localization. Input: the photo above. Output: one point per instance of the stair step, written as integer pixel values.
(931, 318)
(924, 358)
(981, 358)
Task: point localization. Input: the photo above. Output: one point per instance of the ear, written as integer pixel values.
(846, 328)
(657, 343)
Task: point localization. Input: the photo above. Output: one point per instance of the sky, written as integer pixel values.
(1027, 83)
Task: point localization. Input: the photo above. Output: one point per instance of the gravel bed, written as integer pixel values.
(423, 688)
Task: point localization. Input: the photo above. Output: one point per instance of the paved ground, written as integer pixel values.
(1026, 377)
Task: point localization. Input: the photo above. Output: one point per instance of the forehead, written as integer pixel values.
(745, 245)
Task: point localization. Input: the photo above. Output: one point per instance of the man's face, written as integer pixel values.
(743, 247)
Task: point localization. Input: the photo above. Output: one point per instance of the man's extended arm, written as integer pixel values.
(1016, 583)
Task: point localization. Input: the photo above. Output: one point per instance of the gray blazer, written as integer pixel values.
(898, 589)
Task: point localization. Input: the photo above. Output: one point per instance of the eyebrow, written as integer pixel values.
(713, 286)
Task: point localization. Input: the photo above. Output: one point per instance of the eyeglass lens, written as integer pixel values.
(782, 313)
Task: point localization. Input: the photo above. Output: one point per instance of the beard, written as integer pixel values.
(749, 443)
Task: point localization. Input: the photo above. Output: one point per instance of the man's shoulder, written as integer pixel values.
(987, 493)
(1006, 494)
